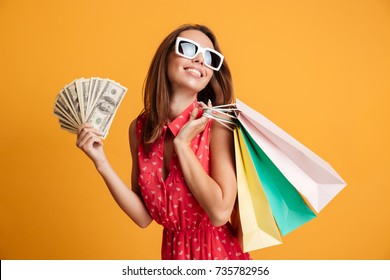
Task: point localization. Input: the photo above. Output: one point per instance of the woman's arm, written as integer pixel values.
(129, 201)
(215, 193)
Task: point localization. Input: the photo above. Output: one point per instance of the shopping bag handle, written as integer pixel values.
(224, 114)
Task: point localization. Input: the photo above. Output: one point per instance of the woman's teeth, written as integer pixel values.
(196, 72)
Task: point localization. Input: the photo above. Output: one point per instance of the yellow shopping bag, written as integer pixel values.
(253, 218)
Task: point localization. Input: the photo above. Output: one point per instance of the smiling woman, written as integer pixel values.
(175, 180)
(319, 69)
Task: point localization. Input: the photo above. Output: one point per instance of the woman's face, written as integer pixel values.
(190, 75)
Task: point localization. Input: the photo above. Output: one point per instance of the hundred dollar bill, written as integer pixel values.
(95, 93)
(82, 88)
(106, 106)
(71, 98)
(61, 109)
(92, 85)
(94, 100)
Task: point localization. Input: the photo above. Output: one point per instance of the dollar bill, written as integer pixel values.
(62, 110)
(95, 93)
(72, 100)
(93, 100)
(106, 105)
(82, 88)
(92, 85)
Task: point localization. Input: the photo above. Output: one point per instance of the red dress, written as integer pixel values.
(188, 232)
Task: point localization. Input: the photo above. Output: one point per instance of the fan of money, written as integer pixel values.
(93, 100)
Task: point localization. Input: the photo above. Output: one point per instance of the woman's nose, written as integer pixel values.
(198, 59)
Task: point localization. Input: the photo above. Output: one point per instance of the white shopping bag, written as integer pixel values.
(312, 177)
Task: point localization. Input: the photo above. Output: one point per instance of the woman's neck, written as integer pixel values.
(178, 104)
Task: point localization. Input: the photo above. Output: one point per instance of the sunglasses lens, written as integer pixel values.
(212, 59)
(187, 49)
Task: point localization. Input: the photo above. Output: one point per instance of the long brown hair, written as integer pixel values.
(157, 88)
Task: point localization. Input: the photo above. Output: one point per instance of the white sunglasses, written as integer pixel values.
(190, 49)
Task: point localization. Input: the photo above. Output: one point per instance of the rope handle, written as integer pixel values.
(224, 114)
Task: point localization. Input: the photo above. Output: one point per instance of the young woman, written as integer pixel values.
(183, 173)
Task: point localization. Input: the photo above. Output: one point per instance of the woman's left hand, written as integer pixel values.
(194, 126)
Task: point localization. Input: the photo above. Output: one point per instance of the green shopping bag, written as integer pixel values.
(288, 208)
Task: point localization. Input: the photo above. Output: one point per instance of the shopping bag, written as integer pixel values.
(288, 208)
(253, 219)
(286, 169)
(313, 177)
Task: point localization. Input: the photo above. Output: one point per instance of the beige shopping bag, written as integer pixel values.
(253, 217)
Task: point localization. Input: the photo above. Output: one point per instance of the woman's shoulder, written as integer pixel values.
(136, 125)
(139, 120)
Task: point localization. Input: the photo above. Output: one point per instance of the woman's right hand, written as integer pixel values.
(89, 141)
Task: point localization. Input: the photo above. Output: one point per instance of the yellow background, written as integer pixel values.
(318, 69)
